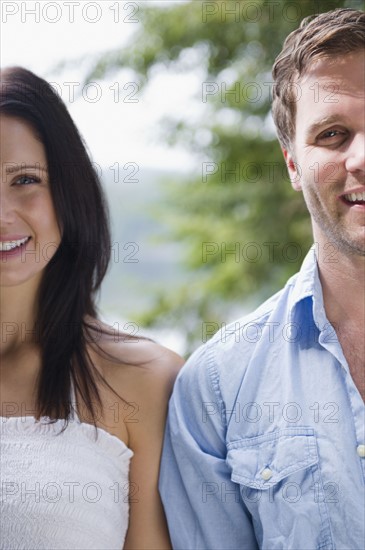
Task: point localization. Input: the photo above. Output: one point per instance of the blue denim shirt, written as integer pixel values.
(265, 442)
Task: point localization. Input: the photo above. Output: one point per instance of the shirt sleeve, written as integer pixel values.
(204, 508)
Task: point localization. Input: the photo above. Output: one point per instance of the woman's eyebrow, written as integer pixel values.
(14, 167)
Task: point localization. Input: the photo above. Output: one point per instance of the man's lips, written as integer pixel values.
(354, 197)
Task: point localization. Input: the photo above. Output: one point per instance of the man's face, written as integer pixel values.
(327, 160)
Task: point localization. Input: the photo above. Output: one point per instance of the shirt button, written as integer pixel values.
(266, 474)
(361, 451)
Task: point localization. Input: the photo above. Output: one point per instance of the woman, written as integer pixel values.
(83, 408)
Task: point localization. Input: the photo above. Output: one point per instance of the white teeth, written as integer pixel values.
(10, 245)
(354, 197)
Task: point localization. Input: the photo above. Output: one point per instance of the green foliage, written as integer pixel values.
(253, 211)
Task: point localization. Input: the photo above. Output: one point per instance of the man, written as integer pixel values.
(265, 445)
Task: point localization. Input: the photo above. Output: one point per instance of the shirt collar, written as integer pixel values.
(308, 285)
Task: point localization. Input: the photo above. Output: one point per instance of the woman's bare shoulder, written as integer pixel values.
(134, 362)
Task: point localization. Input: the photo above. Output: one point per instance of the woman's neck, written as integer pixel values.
(17, 317)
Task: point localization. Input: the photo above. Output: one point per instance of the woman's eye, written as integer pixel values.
(26, 180)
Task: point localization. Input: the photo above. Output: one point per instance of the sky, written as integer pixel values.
(117, 120)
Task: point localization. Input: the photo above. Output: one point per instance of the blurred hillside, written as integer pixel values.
(141, 258)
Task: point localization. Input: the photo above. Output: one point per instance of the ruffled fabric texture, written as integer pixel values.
(62, 489)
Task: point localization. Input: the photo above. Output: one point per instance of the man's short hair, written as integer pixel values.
(337, 32)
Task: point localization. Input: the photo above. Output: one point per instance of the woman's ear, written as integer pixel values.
(294, 171)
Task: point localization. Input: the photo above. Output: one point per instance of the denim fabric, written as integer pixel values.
(265, 443)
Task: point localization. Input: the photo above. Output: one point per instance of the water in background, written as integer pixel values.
(140, 260)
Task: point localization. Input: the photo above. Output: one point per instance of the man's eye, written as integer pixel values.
(26, 180)
(331, 134)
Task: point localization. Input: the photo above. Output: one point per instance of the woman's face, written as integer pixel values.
(29, 232)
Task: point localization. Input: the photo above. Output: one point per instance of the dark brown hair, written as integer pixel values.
(337, 32)
(74, 274)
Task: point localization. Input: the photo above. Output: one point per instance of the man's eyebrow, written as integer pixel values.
(13, 167)
(318, 125)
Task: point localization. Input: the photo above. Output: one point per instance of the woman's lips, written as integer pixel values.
(11, 247)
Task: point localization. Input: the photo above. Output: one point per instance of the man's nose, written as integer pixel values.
(355, 161)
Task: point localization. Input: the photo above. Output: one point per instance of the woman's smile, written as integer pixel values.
(29, 232)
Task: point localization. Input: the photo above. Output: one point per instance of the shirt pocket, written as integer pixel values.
(280, 483)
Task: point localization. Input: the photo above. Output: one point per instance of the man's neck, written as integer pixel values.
(342, 278)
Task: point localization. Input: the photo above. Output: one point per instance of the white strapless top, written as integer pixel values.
(64, 490)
